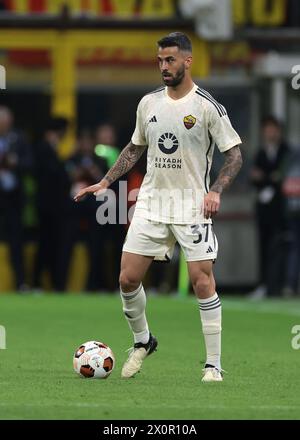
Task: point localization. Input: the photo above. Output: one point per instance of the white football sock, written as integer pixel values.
(211, 315)
(134, 305)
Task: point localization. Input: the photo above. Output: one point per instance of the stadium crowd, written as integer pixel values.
(36, 195)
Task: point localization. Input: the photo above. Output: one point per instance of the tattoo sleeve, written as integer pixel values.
(127, 159)
(228, 172)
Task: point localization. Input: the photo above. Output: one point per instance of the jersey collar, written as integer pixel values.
(184, 98)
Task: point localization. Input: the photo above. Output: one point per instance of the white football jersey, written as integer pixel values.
(180, 135)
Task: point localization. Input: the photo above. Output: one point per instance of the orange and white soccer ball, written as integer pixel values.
(94, 360)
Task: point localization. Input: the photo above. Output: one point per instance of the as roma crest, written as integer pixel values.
(189, 121)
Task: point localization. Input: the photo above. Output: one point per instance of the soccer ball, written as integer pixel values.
(94, 359)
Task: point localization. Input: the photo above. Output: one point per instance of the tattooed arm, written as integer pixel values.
(230, 169)
(126, 160)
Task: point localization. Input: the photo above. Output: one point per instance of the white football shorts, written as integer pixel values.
(153, 239)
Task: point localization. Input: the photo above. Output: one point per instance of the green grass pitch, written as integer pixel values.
(37, 379)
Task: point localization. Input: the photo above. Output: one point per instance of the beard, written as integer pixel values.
(176, 79)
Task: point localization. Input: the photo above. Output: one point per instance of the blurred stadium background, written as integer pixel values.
(75, 71)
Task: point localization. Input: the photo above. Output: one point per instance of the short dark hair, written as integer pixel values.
(176, 39)
(271, 120)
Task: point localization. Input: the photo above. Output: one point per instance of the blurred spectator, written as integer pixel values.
(53, 200)
(106, 147)
(266, 175)
(291, 191)
(15, 162)
(85, 168)
(106, 140)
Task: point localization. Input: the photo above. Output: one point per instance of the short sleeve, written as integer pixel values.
(138, 137)
(221, 129)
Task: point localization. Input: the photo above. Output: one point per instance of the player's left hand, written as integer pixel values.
(211, 204)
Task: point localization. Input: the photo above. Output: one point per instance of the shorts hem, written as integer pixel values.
(210, 257)
(145, 254)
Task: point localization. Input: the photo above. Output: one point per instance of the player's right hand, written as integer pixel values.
(96, 189)
(211, 204)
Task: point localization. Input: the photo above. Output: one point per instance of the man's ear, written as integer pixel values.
(188, 62)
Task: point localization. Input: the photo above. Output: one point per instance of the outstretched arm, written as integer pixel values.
(228, 172)
(126, 160)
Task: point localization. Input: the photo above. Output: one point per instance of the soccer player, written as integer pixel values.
(178, 125)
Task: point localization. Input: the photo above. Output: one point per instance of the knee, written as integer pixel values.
(202, 285)
(128, 282)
